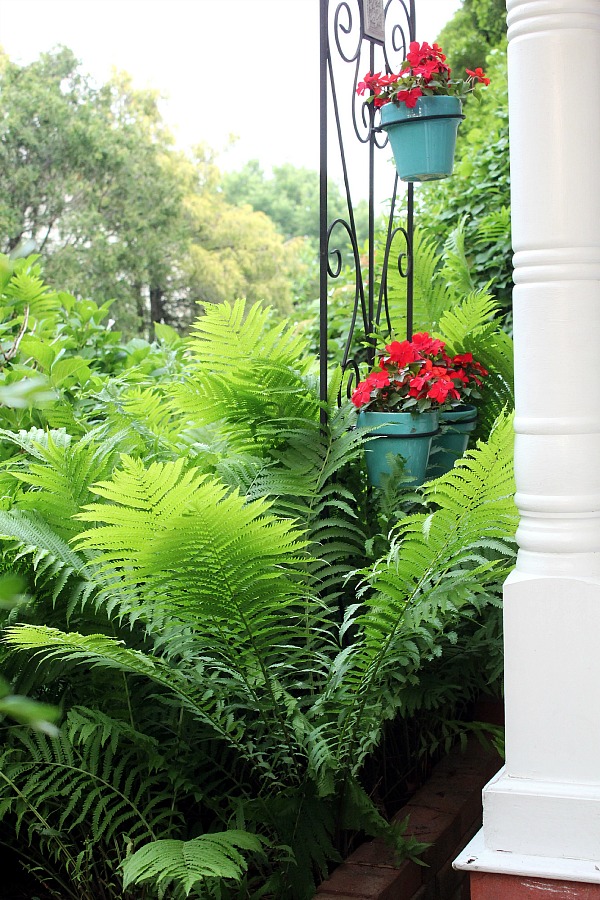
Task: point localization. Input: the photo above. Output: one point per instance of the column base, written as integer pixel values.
(492, 886)
(501, 875)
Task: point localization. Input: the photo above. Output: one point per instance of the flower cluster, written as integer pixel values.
(417, 375)
(424, 73)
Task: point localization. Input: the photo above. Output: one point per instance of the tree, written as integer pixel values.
(90, 173)
(478, 194)
(475, 29)
(290, 197)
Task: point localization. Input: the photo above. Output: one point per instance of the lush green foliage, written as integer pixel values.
(476, 28)
(228, 619)
(290, 197)
(90, 175)
(478, 194)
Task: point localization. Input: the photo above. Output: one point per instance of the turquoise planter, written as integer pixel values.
(423, 146)
(404, 434)
(449, 445)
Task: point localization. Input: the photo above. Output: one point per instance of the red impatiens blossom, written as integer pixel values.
(362, 394)
(378, 379)
(478, 75)
(461, 375)
(424, 72)
(371, 83)
(410, 97)
(402, 353)
(428, 69)
(418, 53)
(443, 389)
(417, 375)
(467, 369)
(426, 344)
(375, 380)
(462, 359)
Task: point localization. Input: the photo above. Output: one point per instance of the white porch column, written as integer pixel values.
(542, 811)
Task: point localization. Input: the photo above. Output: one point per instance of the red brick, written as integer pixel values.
(374, 882)
(491, 886)
(430, 826)
(464, 802)
(377, 853)
(448, 881)
(327, 895)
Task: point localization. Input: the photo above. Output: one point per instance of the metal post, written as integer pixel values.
(358, 36)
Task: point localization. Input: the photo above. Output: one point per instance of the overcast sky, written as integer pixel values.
(222, 65)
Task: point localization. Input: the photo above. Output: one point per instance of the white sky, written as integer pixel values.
(222, 65)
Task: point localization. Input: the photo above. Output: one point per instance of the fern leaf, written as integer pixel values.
(186, 864)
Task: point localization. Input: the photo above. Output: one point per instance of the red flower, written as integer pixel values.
(402, 353)
(378, 379)
(478, 75)
(427, 69)
(442, 389)
(371, 83)
(361, 395)
(460, 375)
(409, 97)
(418, 53)
(426, 344)
(417, 384)
(462, 359)
(375, 380)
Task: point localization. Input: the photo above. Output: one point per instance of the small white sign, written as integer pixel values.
(373, 20)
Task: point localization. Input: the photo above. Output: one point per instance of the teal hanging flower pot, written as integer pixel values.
(423, 138)
(449, 445)
(404, 434)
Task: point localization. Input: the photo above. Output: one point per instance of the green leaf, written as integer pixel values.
(187, 863)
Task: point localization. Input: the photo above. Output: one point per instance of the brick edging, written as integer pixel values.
(446, 813)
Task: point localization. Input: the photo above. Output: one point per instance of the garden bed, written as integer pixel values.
(445, 813)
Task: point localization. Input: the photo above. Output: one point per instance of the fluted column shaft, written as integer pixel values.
(542, 812)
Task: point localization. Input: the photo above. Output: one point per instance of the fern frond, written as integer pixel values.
(59, 482)
(432, 295)
(222, 565)
(96, 784)
(494, 227)
(56, 566)
(437, 568)
(456, 268)
(187, 864)
(27, 289)
(229, 335)
(470, 327)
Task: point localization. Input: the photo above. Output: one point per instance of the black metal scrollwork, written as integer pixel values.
(344, 44)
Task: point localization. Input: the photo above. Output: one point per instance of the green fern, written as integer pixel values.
(185, 865)
(432, 295)
(438, 566)
(251, 377)
(456, 268)
(471, 327)
(229, 335)
(92, 786)
(60, 477)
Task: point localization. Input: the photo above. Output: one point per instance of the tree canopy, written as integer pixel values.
(90, 173)
(290, 197)
(478, 194)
